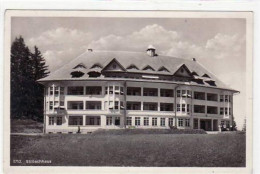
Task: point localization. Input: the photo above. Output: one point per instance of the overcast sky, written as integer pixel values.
(219, 44)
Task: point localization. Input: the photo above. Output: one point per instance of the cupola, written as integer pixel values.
(151, 51)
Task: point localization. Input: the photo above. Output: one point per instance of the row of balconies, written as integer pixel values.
(137, 91)
(137, 106)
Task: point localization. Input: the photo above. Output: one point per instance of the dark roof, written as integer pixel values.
(139, 59)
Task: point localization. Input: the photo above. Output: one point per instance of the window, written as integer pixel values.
(166, 92)
(51, 105)
(187, 122)
(137, 121)
(93, 120)
(146, 121)
(162, 121)
(222, 122)
(229, 111)
(212, 97)
(117, 121)
(166, 106)
(226, 111)
(150, 92)
(183, 109)
(178, 93)
(178, 107)
(76, 74)
(51, 120)
(111, 90)
(56, 90)
(221, 98)
(109, 120)
(129, 121)
(212, 110)
(121, 90)
(199, 109)
(61, 103)
(75, 105)
(106, 90)
(154, 121)
(117, 91)
(133, 106)
(226, 98)
(196, 123)
(188, 108)
(61, 90)
(59, 120)
(75, 120)
(170, 121)
(150, 106)
(95, 105)
(189, 94)
(75, 90)
(51, 90)
(134, 91)
(199, 95)
(180, 122)
(221, 112)
(56, 103)
(93, 90)
(116, 104)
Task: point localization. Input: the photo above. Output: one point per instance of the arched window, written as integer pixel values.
(76, 74)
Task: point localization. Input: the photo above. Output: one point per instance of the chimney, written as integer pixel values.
(194, 59)
(151, 51)
(90, 50)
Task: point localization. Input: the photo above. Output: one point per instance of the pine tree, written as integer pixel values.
(40, 70)
(21, 79)
(26, 93)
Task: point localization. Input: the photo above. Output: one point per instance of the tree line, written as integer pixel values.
(27, 95)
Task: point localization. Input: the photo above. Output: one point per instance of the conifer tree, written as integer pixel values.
(26, 93)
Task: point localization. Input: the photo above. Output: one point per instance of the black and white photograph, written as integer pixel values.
(130, 89)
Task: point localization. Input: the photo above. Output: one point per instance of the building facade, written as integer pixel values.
(112, 90)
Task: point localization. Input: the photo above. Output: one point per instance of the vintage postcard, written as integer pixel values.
(128, 92)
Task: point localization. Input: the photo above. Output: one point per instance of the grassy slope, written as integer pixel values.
(26, 126)
(220, 150)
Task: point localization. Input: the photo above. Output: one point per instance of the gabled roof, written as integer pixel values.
(140, 59)
(162, 68)
(147, 67)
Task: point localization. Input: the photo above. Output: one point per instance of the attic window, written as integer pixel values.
(94, 74)
(211, 82)
(132, 67)
(194, 73)
(206, 75)
(76, 74)
(81, 65)
(148, 68)
(163, 69)
(96, 66)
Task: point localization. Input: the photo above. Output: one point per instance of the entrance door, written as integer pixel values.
(203, 124)
(117, 121)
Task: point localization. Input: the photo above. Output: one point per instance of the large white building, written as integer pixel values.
(115, 89)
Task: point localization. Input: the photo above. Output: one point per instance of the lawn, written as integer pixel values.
(172, 150)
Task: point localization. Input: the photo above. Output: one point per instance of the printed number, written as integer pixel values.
(17, 161)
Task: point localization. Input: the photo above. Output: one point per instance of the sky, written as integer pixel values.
(217, 43)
